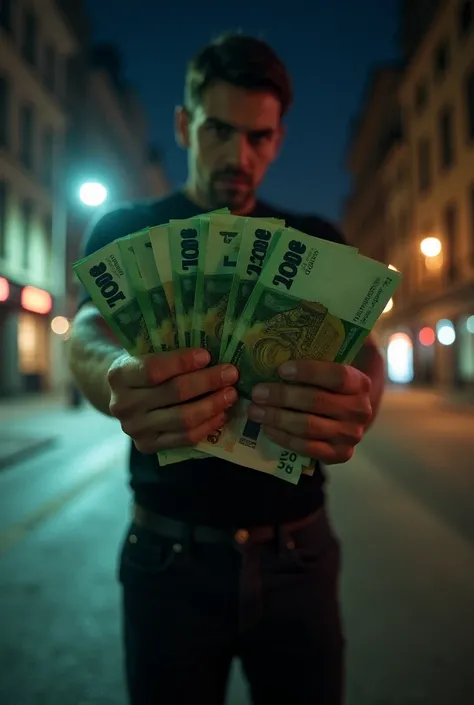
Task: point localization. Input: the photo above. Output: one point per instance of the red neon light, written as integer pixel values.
(36, 300)
(4, 289)
(427, 336)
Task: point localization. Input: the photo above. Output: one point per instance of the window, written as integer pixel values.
(26, 135)
(469, 92)
(450, 223)
(47, 157)
(465, 17)
(3, 217)
(26, 219)
(441, 60)
(4, 111)
(421, 96)
(446, 137)
(50, 67)
(30, 37)
(424, 165)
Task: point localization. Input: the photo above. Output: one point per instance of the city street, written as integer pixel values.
(403, 508)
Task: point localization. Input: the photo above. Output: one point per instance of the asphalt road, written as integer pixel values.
(404, 508)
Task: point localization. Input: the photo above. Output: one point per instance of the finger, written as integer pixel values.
(322, 451)
(308, 426)
(167, 441)
(195, 435)
(195, 384)
(333, 376)
(154, 369)
(181, 418)
(344, 407)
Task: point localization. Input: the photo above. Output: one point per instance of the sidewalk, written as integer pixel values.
(33, 423)
(458, 400)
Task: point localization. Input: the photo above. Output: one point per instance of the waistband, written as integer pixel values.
(180, 530)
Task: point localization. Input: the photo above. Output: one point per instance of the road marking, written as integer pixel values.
(113, 454)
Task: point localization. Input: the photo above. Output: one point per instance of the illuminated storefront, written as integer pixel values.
(24, 338)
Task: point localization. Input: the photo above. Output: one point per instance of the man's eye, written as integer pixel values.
(258, 140)
(222, 132)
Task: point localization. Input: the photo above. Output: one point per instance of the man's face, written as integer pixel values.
(232, 137)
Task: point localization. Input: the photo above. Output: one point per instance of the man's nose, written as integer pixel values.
(239, 152)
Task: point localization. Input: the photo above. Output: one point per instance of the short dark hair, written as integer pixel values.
(243, 61)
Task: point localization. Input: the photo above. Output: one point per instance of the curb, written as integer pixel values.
(23, 453)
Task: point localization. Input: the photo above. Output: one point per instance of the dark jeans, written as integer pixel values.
(188, 609)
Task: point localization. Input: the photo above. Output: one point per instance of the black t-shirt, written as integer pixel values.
(211, 491)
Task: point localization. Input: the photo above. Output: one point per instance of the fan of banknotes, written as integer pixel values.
(253, 293)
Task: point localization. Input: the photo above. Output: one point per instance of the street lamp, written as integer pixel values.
(431, 247)
(92, 193)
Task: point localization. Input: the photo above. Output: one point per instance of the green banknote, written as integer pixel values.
(160, 242)
(184, 241)
(314, 300)
(137, 256)
(257, 237)
(104, 276)
(219, 249)
(159, 239)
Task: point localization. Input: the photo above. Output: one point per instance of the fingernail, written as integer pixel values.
(256, 413)
(201, 358)
(288, 370)
(230, 395)
(229, 374)
(260, 393)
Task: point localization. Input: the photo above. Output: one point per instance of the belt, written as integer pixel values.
(180, 530)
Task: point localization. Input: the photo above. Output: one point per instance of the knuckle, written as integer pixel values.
(176, 390)
(311, 424)
(118, 408)
(145, 445)
(114, 376)
(352, 433)
(315, 399)
(346, 453)
(188, 417)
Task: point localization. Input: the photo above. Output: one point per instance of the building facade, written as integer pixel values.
(66, 117)
(428, 207)
(35, 45)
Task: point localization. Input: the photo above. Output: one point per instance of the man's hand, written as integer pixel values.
(151, 397)
(322, 414)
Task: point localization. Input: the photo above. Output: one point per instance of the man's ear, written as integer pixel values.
(181, 126)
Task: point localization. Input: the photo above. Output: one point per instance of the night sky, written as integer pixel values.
(328, 45)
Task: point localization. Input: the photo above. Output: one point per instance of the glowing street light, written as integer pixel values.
(431, 246)
(93, 193)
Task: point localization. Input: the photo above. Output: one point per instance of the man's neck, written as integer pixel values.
(191, 193)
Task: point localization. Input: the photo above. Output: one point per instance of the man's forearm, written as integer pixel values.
(91, 353)
(370, 362)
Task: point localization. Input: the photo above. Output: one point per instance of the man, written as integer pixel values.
(220, 560)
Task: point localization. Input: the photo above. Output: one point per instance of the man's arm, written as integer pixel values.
(370, 362)
(92, 350)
